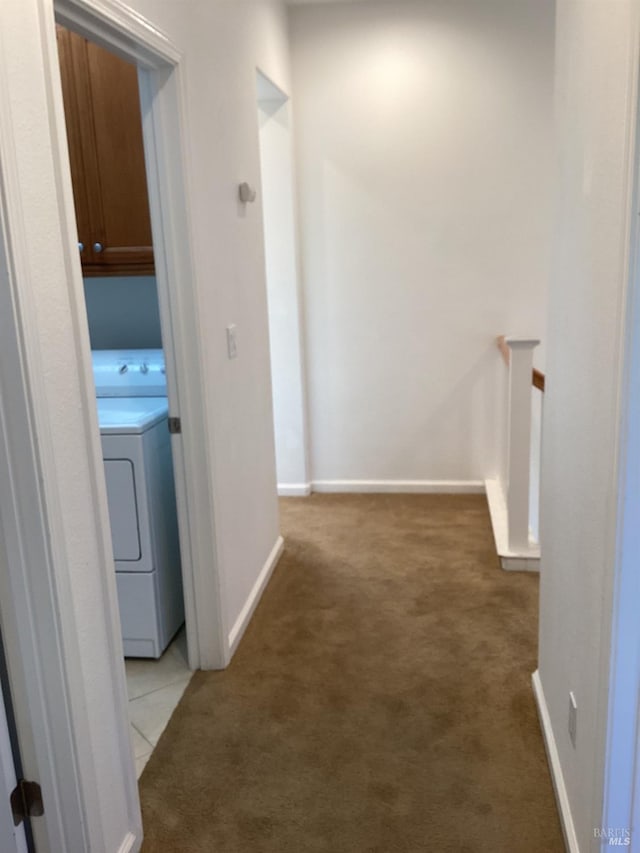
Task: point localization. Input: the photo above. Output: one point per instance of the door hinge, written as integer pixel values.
(175, 426)
(26, 801)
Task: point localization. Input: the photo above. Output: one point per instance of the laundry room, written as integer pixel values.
(107, 158)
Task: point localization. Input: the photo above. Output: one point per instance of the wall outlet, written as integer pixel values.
(232, 341)
(573, 718)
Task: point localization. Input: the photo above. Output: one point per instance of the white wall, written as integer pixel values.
(424, 149)
(224, 42)
(123, 312)
(283, 287)
(597, 44)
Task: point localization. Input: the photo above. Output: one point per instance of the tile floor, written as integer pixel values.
(155, 688)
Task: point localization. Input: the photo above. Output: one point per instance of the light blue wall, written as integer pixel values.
(123, 312)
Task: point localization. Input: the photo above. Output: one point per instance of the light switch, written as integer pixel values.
(232, 341)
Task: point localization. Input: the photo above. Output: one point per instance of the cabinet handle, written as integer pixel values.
(98, 247)
(80, 246)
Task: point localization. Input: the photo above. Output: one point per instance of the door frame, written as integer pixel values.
(620, 711)
(89, 785)
(160, 73)
(286, 322)
(31, 588)
(9, 770)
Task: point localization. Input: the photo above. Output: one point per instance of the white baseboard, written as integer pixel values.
(131, 843)
(426, 487)
(562, 799)
(294, 490)
(241, 623)
(520, 561)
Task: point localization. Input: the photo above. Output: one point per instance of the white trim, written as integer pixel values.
(520, 564)
(421, 487)
(521, 343)
(128, 844)
(38, 616)
(619, 706)
(194, 465)
(241, 623)
(129, 34)
(519, 441)
(555, 767)
(294, 490)
(521, 560)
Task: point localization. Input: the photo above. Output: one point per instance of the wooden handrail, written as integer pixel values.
(537, 377)
(504, 349)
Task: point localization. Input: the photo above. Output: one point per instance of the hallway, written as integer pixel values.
(380, 701)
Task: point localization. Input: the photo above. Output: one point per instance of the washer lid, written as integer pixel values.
(130, 415)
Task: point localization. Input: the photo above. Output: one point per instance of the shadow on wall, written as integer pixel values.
(471, 398)
(123, 312)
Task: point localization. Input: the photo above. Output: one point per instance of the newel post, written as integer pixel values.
(520, 370)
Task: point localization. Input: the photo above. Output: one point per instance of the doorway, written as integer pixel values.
(105, 142)
(284, 294)
(159, 71)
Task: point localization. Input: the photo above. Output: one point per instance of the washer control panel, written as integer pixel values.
(129, 373)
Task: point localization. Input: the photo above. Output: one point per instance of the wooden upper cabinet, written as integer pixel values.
(104, 130)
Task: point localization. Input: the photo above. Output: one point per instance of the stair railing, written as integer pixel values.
(518, 353)
(510, 501)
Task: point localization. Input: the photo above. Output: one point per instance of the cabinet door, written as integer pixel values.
(125, 231)
(73, 74)
(104, 128)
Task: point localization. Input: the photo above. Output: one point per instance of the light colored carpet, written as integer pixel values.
(379, 702)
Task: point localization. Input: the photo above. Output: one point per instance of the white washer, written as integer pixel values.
(136, 448)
